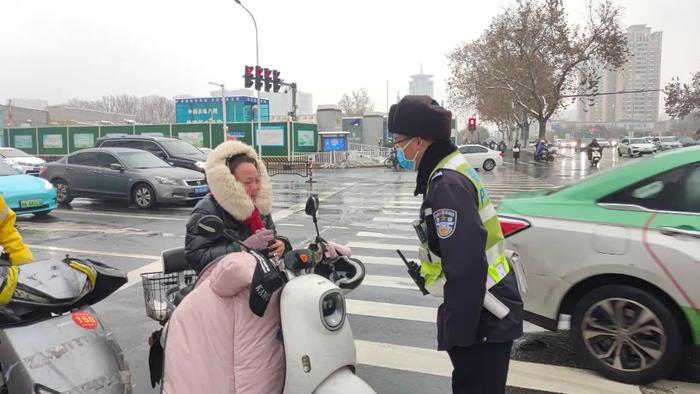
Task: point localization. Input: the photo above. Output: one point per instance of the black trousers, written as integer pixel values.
(481, 368)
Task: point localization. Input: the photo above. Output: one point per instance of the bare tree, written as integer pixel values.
(683, 99)
(532, 56)
(148, 109)
(357, 103)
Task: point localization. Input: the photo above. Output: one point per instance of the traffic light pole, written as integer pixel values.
(257, 63)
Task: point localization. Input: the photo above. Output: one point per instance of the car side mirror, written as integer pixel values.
(210, 226)
(116, 167)
(161, 154)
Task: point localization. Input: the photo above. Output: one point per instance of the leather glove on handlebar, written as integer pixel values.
(260, 240)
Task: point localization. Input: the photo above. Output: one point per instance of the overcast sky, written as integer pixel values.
(59, 49)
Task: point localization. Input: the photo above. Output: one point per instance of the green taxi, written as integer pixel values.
(619, 252)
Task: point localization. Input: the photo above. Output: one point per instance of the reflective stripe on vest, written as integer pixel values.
(498, 266)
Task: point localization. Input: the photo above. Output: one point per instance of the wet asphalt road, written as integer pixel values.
(366, 208)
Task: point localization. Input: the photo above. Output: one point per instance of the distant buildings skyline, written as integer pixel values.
(421, 84)
(641, 72)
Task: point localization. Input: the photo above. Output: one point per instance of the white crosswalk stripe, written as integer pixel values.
(374, 243)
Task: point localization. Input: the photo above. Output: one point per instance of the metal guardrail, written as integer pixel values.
(289, 166)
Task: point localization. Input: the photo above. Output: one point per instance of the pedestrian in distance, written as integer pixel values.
(516, 151)
(462, 253)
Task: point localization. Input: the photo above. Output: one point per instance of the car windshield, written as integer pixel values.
(180, 148)
(142, 160)
(638, 141)
(668, 139)
(6, 169)
(10, 152)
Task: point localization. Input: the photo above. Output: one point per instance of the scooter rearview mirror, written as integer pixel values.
(210, 226)
(312, 205)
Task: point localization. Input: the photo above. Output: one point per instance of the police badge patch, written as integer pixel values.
(445, 222)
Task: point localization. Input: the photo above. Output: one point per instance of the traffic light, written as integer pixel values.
(276, 81)
(258, 77)
(471, 124)
(248, 76)
(268, 79)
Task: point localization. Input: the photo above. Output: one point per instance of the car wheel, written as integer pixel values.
(488, 165)
(143, 196)
(63, 195)
(626, 334)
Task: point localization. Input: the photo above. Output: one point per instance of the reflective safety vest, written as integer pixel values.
(498, 266)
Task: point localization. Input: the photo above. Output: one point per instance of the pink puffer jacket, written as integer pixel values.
(215, 344)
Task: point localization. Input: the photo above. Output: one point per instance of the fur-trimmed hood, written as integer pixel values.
(230, 193)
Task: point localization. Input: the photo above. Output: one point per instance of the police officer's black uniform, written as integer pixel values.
(477, 342)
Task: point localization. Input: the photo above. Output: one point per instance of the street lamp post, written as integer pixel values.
(257, 63)
(223, 105)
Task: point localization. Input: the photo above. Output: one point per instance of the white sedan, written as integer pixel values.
(30, 164)
(481, 157)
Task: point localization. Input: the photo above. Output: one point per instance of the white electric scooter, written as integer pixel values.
(318, 342)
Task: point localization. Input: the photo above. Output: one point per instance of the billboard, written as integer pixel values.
(208, 109)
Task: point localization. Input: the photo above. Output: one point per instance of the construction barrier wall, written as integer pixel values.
(275, 138)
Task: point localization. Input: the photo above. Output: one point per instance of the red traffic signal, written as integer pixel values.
(258, 77)
(471, 123)
(248, 76)
(268, 79)
(276, 81)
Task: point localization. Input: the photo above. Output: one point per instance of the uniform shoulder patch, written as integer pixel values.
(445, 222)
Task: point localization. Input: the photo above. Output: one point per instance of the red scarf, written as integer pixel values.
(254, 222)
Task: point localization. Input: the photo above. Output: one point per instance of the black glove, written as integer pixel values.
(266, 280)
(155, 358)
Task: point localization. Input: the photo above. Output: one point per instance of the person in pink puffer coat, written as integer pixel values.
(215, 344)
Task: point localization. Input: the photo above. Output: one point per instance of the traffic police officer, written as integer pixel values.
(462, 255)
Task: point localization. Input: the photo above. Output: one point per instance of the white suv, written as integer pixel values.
(635, 147)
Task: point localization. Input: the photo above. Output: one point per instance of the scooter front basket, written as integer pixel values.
(155, 289)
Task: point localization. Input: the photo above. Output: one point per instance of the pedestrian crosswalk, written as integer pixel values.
(376, 221)
(393, 323)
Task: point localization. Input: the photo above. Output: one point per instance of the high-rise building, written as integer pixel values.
(421, 84)
(641, 72)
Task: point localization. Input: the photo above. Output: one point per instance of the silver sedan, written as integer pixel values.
(125, 174)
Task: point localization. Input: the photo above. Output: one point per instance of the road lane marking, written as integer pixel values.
(521, 374)
(391, 311)
(134, 276)
(392, 220)
(385, 236)
(372, 260)
(88, 253)
(371, 245)
(284, 213)
(123, 215)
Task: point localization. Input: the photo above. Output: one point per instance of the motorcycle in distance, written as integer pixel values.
(319, 347)
(545, 154)
(596, 154)
(51, 339)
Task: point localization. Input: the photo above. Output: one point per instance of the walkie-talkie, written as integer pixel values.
(414, 273)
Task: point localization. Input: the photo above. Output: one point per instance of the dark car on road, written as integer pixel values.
(124, 174)
(177, 152)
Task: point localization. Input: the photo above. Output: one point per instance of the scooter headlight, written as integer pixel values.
(333, 309)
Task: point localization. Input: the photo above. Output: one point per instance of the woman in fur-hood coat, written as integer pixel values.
(229, 200)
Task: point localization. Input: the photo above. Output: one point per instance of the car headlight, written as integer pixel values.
(165, 180)
(47, 184)
(333, 309)
(199, 164)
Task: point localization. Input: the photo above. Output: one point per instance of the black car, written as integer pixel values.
(177, 152)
